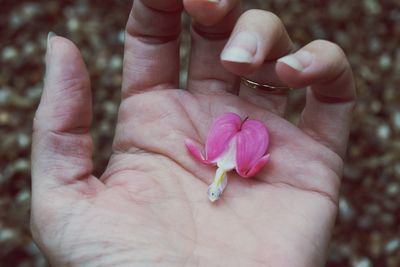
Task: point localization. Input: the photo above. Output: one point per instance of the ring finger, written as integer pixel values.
(258, 39)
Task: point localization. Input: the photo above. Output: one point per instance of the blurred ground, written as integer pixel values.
(367, 232)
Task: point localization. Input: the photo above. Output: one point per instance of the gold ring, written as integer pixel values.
(271, 89)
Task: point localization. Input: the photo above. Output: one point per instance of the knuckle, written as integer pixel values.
(265, 16)
(332, 47)
(332, 54)
(336, 49)
(273, 18)
(76, 84)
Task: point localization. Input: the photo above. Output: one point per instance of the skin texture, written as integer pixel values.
(150, 207)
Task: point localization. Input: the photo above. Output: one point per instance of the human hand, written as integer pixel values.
(150, 207)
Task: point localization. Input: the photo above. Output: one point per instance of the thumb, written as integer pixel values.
(62, 146)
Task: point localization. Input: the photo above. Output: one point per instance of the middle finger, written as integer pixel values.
(212, 25)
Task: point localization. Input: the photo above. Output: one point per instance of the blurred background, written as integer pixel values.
(367, 231)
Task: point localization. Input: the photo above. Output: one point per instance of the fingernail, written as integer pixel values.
(298, 61)
(49, 36)
(242, 48)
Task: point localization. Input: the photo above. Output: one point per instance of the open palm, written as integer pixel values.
(150, 207)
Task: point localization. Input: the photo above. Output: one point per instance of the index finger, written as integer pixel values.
(151, 59)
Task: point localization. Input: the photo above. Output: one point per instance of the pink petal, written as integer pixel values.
(223, 129)
(252, 144)
(195, 151)
(257, 167)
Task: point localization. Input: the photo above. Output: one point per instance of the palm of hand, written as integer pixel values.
(153, 200)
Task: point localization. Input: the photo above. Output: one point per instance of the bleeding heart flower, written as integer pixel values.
(232, 144)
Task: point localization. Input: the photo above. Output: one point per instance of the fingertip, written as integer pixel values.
(66, 99)
(299, 61)
(321, 65)
(202, 11)
(299, 69)
(241, 54)
(208, 12)
(258, 37)
(63, 60)
(62, 48)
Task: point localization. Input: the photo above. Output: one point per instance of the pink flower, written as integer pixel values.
(232, 144)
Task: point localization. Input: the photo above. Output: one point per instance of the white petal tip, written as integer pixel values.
(213, 193)
(212, 199)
